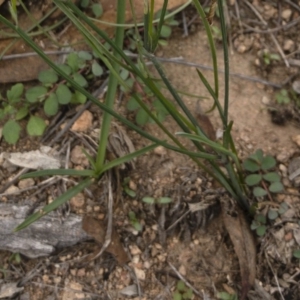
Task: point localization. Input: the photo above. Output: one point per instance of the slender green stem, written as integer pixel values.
(112, 87)
(226, 61)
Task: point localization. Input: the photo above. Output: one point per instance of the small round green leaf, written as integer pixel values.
(73, 61)
(276, 187)
(11, 131)
(13, 95)
(272, 177)
(78, 98)
(253, 179)
(129, 192)
(180, 286)
(162, 42)
(141, 117)
(259, 192)
(148, 200)
(51, 105)
(80, 80)
(35, 126)
(63, 94)
(283, 208)
(84, 3)
(254, 225)
(132, 104)
(21, 113)
(164, 200)
(165, 31)
(124, 74)
(261, 230)
(272, 214)
(97, 69)
(258, 156)
(177, 296)
(65, 68)
(268, 162)
(85, 55)
(296, 253)
(261, 219)
(137, 226)
(97, 10)
(48, 76)
(33, 94)
(251, 165)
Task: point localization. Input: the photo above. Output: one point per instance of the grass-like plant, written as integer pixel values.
(219, 159)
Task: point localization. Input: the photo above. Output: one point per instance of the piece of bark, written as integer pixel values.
(41, 238)
(97, 229)
(243, 242)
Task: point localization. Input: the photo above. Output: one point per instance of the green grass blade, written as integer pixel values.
(59, 172)
(54, 204)
(127, 158)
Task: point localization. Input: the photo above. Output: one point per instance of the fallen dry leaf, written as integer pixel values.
(97, 229)
(243, 242)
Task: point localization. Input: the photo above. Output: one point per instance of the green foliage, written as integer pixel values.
(142, 117)
(96, 7)
(131, 193)
(227, 296)
(282, 97)
(134, 221)
(182, 292)
(263, 180)
(50, 94)
(160, 200)
(268, 57)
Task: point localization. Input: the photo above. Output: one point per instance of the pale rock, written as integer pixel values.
(296, 86)
(296, 139)
(26, 183)
(140, 274)
(160, 151)
(78, 157)
(283, 169)
(12, 190)
(288, 45)
(286, 14)
(182, 270)
(134, 250)
(77, 201)
(84, 122)
(265, 100)
(132, 185)
(81, 272)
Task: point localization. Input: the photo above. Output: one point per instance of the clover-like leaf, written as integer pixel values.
(276, 187)
(80, 80)
(36, 126)
(78, 98)
(85, 55)
(272, 214)
(251, 165)
(63, 94)
(259, 192)
(258, 156)
(51, 105)
(124, 74)
(36, 93)
(132, 104)
(65, 68)
(261, 230)
(73, 61)
(13, 95)
(283, 208)
(260, 218)
(97, 10)
(97, 69)
(141, 117)
(21, 113)
(296, 253)
(84, 3)
(165, 31)
(268, 162)
(48, 76)
(11, 131)
(253, 179)
(272, 177)
(180, 286)
(129, 192)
